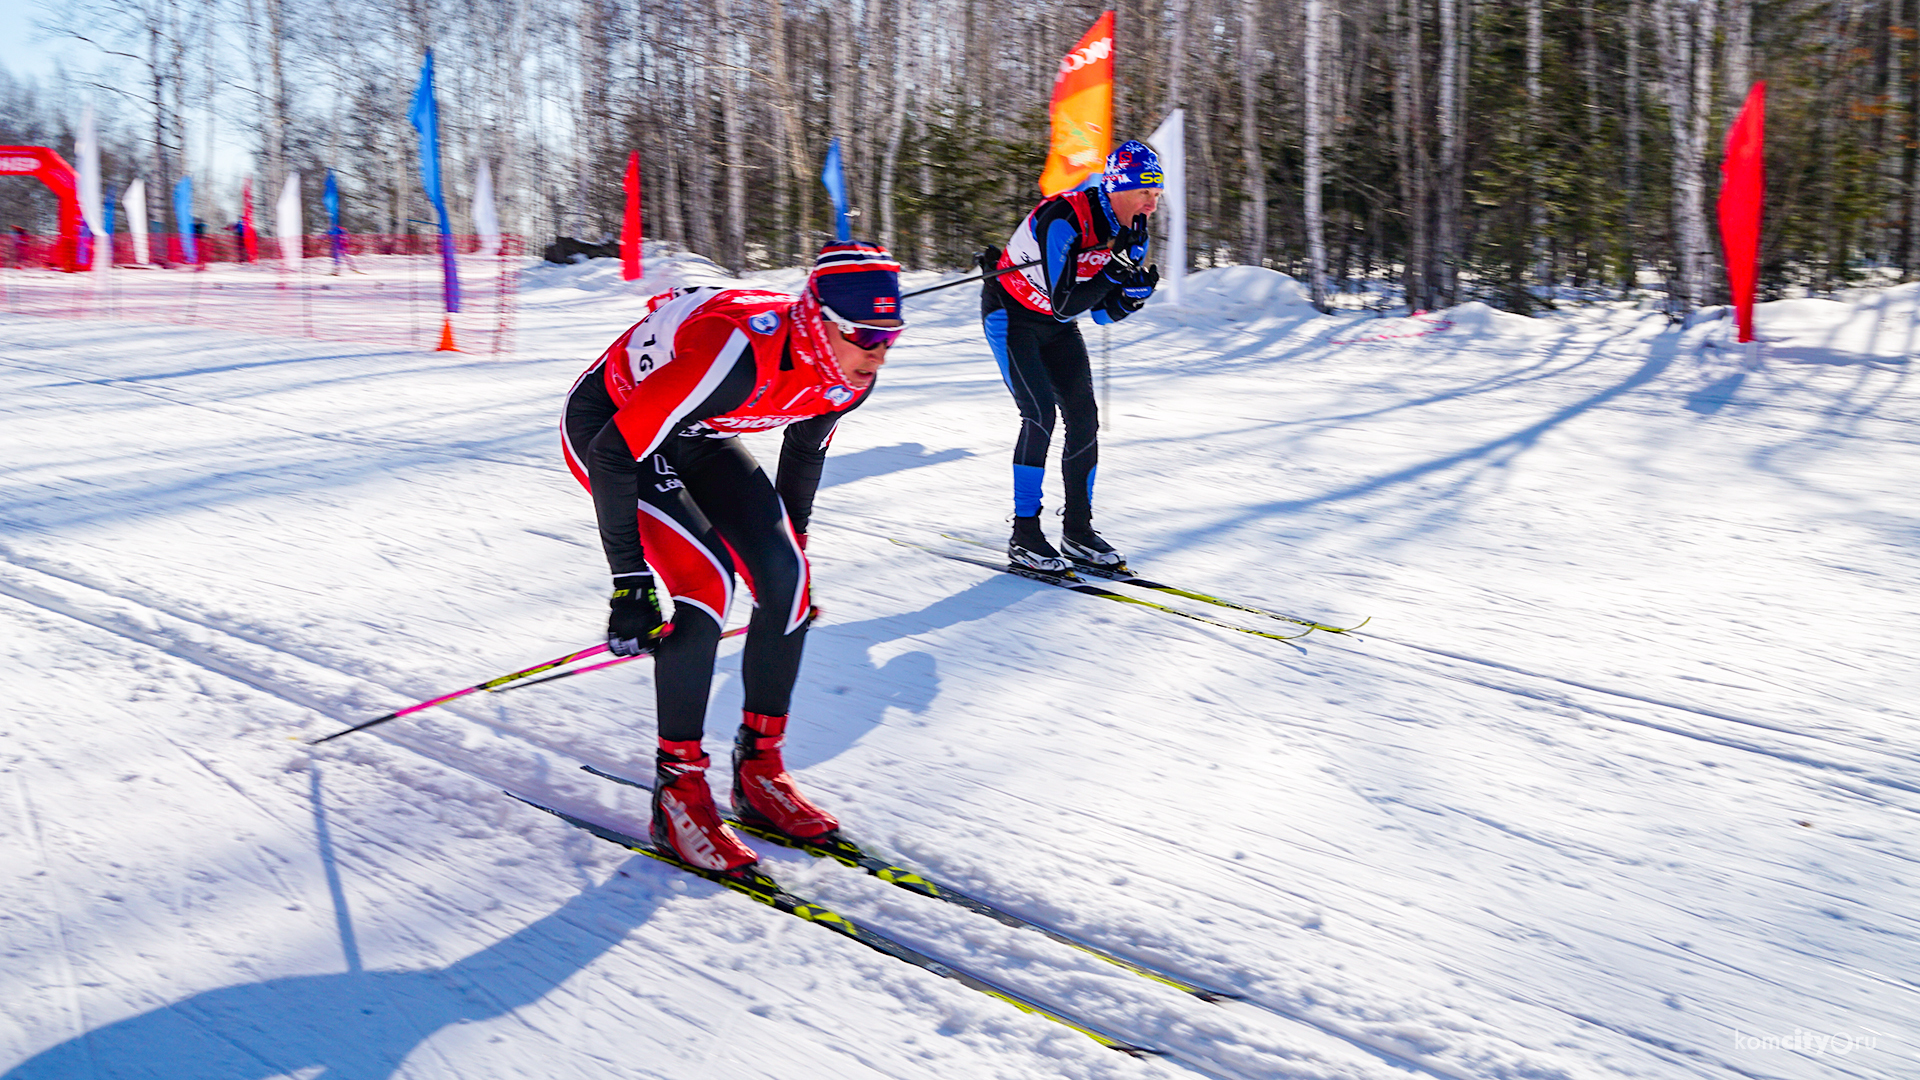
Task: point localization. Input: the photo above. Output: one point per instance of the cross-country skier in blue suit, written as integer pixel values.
(1089, 248)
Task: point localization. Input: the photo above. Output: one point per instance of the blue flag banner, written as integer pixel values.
(836, 182)
(183, 218)
(332, 198)
(336, 236)
(425, 115)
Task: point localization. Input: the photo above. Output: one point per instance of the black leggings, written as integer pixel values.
(1045, 365)
(707, 510)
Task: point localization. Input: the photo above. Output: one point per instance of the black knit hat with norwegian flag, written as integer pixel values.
(858, 280)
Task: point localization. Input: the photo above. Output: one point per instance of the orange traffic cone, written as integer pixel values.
(446, 336)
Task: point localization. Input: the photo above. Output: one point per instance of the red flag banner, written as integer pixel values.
(1742, 189)
(630, 225)
(249, 243)
(1082, 111)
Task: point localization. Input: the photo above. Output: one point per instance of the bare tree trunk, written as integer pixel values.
(266, 45)
(1536, 196)
(1452, 187)
(210, 95)
(1589, 239)
(1256, 206)
(730, 69)
(679, 86)
(1739, 52)
(928, 251)
(1636, 23)
(1313, 117)
(1411, 138)
(906, 76)
(699, 192)
(787, 107)
(1177, 59)
(1912, 154)
(516, 177)
(1685, 33)
(163, 175)
(840, 104)
(1704, 250)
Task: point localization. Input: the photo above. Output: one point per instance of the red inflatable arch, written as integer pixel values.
(42, 164)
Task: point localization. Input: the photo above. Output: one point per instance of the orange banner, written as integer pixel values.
(1082, 111)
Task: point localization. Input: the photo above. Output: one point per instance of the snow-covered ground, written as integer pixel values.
(1620, 781)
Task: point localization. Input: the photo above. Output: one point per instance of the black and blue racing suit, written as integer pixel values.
(1031, 323)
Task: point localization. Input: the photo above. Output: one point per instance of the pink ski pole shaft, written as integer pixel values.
(488, 685)
(735, 632)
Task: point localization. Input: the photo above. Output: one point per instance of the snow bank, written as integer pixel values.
(666, 270)
(1802, 315)
(1239, 293)
(1860, 325)
(1470, 320)
(1476, 319)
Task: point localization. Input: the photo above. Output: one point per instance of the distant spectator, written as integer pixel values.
(337, 240)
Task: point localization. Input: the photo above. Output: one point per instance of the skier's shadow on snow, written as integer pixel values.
(1464, 466)
(1716, 395)
(881, 460)
(843, 694)
(351, 1025)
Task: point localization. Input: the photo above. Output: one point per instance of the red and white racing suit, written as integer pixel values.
(649, 431)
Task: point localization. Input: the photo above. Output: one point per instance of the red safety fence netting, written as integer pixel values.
(378, 289)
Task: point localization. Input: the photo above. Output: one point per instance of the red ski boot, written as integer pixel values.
(686, 824)
(764, 794)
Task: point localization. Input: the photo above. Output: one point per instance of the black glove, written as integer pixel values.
(988, 260)
(635, 624)
(1129, 243)
(1136, 287)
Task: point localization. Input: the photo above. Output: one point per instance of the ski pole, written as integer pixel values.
(1072, 254)
(488, 685)
(976, 277)
(813, 616)
(735, 632)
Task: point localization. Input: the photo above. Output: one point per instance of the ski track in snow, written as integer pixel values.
(479, 770)
(1592, 796)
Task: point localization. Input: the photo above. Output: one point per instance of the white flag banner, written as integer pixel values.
(486, 221)
(1169, 140)
(135, 201)
(287, 224)
(86, 147)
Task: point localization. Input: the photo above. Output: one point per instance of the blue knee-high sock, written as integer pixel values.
(1027, 481)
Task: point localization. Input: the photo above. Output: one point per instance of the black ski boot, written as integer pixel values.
(1029, 549)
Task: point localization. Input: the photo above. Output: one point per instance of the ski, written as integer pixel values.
(1125, 576)
(844, 851)
(761, 887)
(1073, 582)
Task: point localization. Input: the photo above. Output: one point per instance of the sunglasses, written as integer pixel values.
(864, 336)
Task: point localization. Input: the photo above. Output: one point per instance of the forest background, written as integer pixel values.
(1522, 152)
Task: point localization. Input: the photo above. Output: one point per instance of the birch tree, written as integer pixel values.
(1255, 237)
(1685, 30)
(1313, 120)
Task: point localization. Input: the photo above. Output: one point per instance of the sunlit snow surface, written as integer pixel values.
(1622, 780)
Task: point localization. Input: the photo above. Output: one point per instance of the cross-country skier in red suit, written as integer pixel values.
(649, 430)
